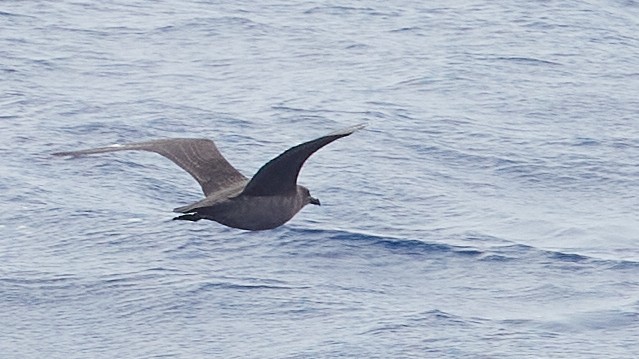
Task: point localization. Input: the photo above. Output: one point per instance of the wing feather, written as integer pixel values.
(199, 157)
(279, 176)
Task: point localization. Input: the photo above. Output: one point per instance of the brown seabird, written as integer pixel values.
(266, 201)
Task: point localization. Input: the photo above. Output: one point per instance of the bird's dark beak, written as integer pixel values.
(315, 201)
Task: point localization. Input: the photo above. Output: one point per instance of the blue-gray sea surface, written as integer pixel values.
(489, 209)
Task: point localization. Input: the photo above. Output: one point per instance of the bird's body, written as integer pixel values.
(268, 200)
(247, 212)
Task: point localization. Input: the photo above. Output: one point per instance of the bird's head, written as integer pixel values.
(306, 194)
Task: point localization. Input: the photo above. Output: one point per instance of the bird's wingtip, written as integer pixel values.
(65, 153)
(90, 151)
(348, 130)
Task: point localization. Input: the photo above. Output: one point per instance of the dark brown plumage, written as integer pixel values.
(268, 200)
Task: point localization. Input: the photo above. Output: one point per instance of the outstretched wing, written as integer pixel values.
(199, 157)
(279, 176)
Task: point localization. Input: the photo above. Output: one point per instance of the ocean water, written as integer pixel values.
(488, 210)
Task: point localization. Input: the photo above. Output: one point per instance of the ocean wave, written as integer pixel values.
(342, 243)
